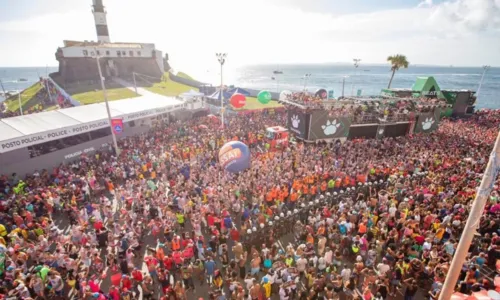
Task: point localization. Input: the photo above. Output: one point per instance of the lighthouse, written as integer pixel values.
(101, 25)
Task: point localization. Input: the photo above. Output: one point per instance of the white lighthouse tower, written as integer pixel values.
(101, 25)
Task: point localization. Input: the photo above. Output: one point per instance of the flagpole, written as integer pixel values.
(105, 94)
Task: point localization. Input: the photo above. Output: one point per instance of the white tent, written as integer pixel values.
(191, 94)
(27, 130)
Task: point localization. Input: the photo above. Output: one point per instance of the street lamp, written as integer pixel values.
(306, 77)
(221, 57)
(485, 68)
(19, 97)
(356, 65)
(115, 143)
(343, 84)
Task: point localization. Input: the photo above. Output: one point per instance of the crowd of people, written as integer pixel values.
(367, 110)
(370, 219)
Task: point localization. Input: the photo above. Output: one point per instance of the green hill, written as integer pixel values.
(29, 98)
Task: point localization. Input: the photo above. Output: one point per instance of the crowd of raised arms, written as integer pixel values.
(370, 219)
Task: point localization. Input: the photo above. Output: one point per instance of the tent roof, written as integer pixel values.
(192, 93)
(9, 132)
(14, 128)
(41, 122)
(425, 84)
(216, 95)
(238, 91)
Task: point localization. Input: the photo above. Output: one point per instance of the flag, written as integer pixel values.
(117, 125)
(331, 94)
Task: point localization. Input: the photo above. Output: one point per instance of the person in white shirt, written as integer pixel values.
(313, 261)
(301, 264)
(284, 293)
(345, 273)
(383, 267)
(321, 263)
(328, 256)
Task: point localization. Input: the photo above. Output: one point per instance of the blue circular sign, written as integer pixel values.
(118, 128)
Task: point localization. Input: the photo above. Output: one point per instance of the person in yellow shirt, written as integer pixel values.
(267, 287)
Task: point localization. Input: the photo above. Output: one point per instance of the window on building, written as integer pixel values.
(107, 52)
(85, 53)
(138, 53)
(131, 53)
(92, 53)
(124, 53)
(118, 53)
(98, 52)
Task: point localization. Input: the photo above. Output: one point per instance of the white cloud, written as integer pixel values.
(425, 3)
(259, 32)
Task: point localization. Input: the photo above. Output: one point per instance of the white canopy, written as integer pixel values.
(191, 94)
(27, 130)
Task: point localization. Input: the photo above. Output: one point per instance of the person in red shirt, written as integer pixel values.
(235, 234)
(126, 282)
(168, 262)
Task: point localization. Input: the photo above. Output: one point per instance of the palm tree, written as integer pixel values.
(397, 61)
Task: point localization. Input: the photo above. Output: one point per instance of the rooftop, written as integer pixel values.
(105, 45)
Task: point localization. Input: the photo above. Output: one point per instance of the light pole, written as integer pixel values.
(356, 65)
(222, 59)
(343, 84)
(19, 97)
(135, 84)
(115, 143)
(306, 77)
(485, 68)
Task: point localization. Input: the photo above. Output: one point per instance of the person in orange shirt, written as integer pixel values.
(285, 192)
(323, 186)
(293, 199)
(313, 190)
(269, 197)
(305, 190)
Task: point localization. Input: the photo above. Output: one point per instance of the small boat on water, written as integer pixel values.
(23, 79)
(277, 71)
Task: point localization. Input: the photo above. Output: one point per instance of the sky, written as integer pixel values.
(444, 32)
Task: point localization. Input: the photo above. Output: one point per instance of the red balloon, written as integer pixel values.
(238, 100)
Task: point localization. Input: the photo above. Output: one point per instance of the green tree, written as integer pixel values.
(397, 61)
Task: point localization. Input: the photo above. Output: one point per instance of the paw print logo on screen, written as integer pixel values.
(295, 121)
(427, 124)
(380, 131)
(330, 128)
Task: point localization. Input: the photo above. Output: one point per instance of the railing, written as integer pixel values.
(64, 93)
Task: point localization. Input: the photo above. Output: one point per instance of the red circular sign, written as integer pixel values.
(238, 100)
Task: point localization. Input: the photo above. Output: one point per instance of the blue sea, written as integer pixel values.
(369, 78)
(15, 79)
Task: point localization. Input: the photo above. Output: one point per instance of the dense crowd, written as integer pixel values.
(375, 219)
(367, 110)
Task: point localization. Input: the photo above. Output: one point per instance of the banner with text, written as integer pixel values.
(52, 135)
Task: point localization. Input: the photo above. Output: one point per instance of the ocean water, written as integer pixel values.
(369, 78)
(10, 77)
